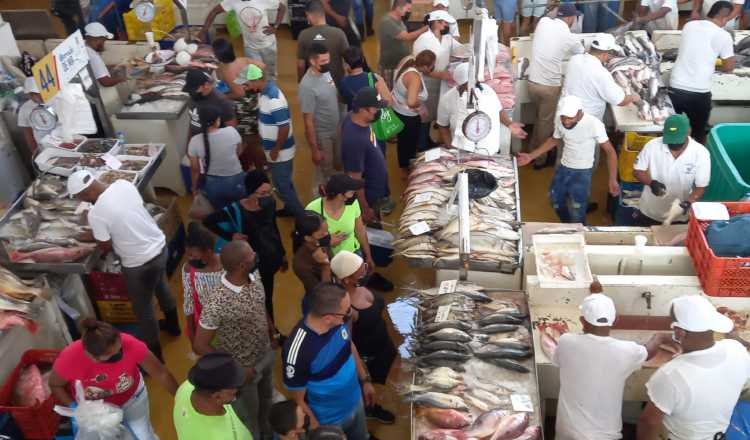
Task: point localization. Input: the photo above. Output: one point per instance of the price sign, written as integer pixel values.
(71, 57)
(419, 228)
(424, 197)
(443, 312)
(46, 77)
(521, 403)
(447, 286)
(432, 154)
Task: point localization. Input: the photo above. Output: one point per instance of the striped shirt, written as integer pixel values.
(273, 112)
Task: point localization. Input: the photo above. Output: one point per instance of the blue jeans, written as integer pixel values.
(355, 426)
(281, 175)
(596, 18)
(223, 190)
(572, 185)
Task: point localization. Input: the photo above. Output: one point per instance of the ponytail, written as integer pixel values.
(208, 115)
(98, 337)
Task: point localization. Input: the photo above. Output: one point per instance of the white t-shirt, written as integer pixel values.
(593, 371)
(588, 79)
(97, 64)
(442, 49)
(680, 175)
(731, 25)
(552, 43)
(580, 142)
(24, 120)
(669, 21)
(223, 144)
(701, 43)
(253, 18)
(698, 391)
(119, 215)
(452, 111)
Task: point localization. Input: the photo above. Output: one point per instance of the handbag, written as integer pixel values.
(389, 124)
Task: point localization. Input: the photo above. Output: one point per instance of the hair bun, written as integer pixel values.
(89, 324)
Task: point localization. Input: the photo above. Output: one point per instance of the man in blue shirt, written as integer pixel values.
(362, 157)
(322, 368)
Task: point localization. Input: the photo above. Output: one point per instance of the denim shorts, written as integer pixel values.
(505, 10)
(533, 8)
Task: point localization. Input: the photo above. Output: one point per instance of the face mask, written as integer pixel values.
(324, 68)
(198, 264)
(445, 31)
(407, 15)
(265, 202)
(197, 96)
(378, 114)
(325, 241)
(674, 147)
(351, 200)
(114, 358)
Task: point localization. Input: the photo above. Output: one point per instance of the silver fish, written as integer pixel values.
(439, 400)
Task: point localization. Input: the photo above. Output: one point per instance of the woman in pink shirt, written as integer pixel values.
(106, 362)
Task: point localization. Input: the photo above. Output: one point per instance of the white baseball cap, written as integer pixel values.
(605, 42)
(598, 310)
(570, 105)
(444, 3)
(695, 313)
(29, 85)
(79, 181)
(345, 263)
(461, 74)
(441, 15)
(96, 29)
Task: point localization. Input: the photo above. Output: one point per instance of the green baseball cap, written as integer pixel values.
(676, 129)
(249, 73)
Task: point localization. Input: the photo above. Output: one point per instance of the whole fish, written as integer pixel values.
(498, 352)
(450, 334)
(442, 434)
(435, 326)
(511, 426)
(447, 418)
(496, 328)
(12, 286)
(512, 343)
(477, 403)
(439, 400)
(432, 346)
(445, 355)
(438, 383)
(52, 255)
(499, 318)
(493, 400)
(486, 424)
(441, 372)
(507, 364)
(531, 433)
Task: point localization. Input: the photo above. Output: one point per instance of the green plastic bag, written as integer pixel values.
(389, 124)
(233, 24)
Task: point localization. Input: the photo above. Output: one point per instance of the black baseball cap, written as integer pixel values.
(217, 371)
(368, 97)
(341, 183)
(567, 10)
(194, 79)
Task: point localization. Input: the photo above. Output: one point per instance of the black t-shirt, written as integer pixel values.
(215, 99)
(341, 7)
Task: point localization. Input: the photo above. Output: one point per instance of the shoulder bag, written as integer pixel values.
(389, 124)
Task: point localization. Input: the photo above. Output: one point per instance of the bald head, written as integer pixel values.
(237, 256)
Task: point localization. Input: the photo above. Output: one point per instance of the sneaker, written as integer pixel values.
(382, 415)
(387, 206)
(283, 212)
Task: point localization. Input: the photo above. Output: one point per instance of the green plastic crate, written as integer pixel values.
(729, 145)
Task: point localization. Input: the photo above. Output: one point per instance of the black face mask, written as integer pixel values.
(197, 263)
(324, 68)
(407, 15)
(266, 202)
(445, 31)
(197, 96)
(675, 147)
(114, 358)
(325, 241)
(351, 200)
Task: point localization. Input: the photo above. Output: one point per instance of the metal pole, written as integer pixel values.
(464, 226)
(95, 97)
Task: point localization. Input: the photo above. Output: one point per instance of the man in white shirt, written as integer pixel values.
(580, 133)
(258, 35)
(96, 37)
(693, 395)
(662, 14)
(31, 135)
(690, 81)
(551, 44)
(119, 220)
(588, 79)
(444, 5)
(701, 8)
(452, 111)
(671, 167)
(593, 369)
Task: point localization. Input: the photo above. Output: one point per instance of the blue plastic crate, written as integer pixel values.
(623, 213)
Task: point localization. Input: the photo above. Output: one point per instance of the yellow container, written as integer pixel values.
(116, 312)
(162, 23)
(631, 146)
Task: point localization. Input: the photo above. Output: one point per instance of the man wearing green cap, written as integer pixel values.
(673, 167)
(275, 129)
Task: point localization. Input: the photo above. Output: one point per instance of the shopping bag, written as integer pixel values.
(233, 24)
(389, 124)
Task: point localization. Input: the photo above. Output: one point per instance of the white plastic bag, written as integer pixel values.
(96, 419)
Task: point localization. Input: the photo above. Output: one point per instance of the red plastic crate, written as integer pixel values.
(719, 276)
(38, 422)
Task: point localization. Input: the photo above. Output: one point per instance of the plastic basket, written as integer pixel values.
(632, 145)
(719, 276)
(162, 23)
(39, 421)
(111, 297)
(730, 162)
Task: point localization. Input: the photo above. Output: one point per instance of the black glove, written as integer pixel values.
(685, 206)
(658, 188)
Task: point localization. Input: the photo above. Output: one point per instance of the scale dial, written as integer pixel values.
(43, 118)
(145, 11)
(476, 126)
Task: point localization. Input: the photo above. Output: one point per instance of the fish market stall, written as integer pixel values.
(429, 225)
(471, 362)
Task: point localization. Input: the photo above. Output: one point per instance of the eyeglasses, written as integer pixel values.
(345, 316)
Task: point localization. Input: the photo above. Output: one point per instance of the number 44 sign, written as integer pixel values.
(45, 75)
(60, 66)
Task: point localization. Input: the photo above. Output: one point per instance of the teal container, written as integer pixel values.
(729, 145)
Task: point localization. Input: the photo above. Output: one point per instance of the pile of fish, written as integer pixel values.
(742, 52)
(636, 77)
(494, 221)
(470, 352)
(18, 301)
(47, 229)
